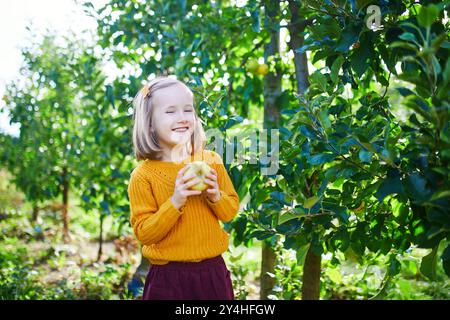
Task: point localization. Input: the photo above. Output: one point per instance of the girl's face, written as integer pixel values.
(173, 115)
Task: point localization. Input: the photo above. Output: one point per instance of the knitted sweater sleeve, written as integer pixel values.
(150, 223)
(227, 207)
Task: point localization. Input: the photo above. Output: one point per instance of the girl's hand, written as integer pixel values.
(182, 192)
(212, 193)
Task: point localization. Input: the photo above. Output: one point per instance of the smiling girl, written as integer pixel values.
(178, 227)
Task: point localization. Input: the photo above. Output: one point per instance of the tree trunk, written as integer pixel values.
(100, 238)
(311, 276)
(272, 90)
(35, 213)
(312, 267)
(65, 213)
(267, 265)
(296, 27)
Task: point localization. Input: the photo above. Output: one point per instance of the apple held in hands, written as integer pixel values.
(200, 169)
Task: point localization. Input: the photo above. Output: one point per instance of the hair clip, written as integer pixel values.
(145, 90)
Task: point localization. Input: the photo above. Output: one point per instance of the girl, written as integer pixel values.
(178, 227)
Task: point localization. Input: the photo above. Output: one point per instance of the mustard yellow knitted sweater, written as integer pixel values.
(190, 234)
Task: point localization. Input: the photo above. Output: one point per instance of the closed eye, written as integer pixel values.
(188, 110)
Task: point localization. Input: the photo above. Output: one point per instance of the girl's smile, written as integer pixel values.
(181, 129)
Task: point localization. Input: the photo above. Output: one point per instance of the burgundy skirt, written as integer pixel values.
(205, 280)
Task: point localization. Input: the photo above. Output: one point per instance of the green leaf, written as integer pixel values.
(387, 155)
(261, 234)
(415, 185)
(286, 217)
(301, 254)
(408, 36)
(439, 41)
(440, 194)
(405, 288)
(348, 37)
(279, 196)
(360, 62)
(341, 213)
(326, 27)
(285, 132)
(394, 266)
(428, 15)
(305, 47)
(389, 186)
(365, 156)
(404, 45)
(362, 56)
(308, 132)
(236, 258)
(310, 202)
(232, 121)
(322, 158)
(289, 226)
(323, 115)
(436, 65)
(369, 146)
(334, 275)
(336, 66)
(428, 264)
(405, 92)
(320, 80)
(418, 105)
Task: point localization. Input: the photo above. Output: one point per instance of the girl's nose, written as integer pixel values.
(181, 117)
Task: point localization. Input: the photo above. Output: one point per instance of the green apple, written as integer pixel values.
(252, 66)
(200, 169)
(262, 69)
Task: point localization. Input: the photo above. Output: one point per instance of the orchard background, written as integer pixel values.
(360, 205)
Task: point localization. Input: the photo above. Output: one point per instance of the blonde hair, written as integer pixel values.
(145, 139)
